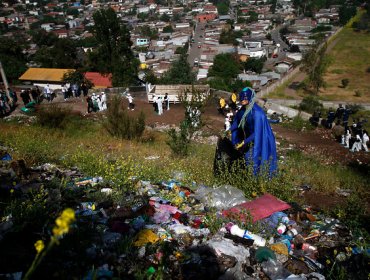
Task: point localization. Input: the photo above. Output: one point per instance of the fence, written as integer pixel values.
(278, 83)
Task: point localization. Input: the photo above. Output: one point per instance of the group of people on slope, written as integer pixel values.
(159, 102)
(355, 137)
(8, 102)
(74, 90)
(339, 117)
(96, 102)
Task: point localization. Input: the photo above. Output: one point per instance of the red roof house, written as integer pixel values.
(99, 80)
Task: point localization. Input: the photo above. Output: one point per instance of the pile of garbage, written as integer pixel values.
(168, 230)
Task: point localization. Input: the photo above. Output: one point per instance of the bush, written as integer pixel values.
(345, 83)
(358, 93)
(53, 116)
(179, 140)
(355, 108)
(310, 104)
(118, 123)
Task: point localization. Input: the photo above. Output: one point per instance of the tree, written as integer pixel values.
(228, 37)
(180, 72)
(346, 13)
(315, 63)
(177, 17)
(150, 77)
(225, 66)
(165, 18)
(253, 17)
(62, 54)
(167, 29)
(224, 72)
(12, 58)
(254, 64)
(114, 54)
(77, 77)
(43, 38)
(146, 31)
(223, 8)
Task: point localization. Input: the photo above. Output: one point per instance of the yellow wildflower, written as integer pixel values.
(328, 262)
(12, 190)
(39, 246)
(63, 222)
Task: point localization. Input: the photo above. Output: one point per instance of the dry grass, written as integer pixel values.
(350, 60)
(349, 53)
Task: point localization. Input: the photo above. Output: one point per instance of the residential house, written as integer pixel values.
(140, 42)
(99, 80)
(48, 26)
(61, 33)
(304, 25)
(205, 17)
(143, 9)
(180, 25)
(256, 80)
(210, 9)
(165, 10)
(283, 67)
(202, 74)
(45, 76)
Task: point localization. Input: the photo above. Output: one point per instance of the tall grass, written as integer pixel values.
(118, 160)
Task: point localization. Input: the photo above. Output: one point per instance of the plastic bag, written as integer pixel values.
(222, 197)
(227, 247)
(274, 270)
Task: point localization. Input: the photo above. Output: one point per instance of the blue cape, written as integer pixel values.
(258, 134)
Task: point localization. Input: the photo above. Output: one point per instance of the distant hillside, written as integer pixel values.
(350, 57)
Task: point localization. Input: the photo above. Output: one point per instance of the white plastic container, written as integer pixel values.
(258, 240)
(281, 228)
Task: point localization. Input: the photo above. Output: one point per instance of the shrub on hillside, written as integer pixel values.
(118, 123)
(345, 83)
(53, 116)
(179, 140)
(310, 104)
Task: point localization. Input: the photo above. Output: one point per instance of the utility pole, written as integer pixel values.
(5, 81)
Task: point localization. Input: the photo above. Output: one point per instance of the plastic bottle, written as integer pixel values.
(309, 250)
(278, 218)
(281, 228)
(292, 232)
(236, 230)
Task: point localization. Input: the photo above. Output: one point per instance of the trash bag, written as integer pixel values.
(225, 156)
(222, 197)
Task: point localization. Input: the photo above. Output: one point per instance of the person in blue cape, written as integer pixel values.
(251, 133)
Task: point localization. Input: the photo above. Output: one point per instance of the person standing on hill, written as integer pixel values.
(34, 95)
(233, 100)
(155, 104)
(252, 135)
(365, 139)
(347, 111)
(167, 101)
(339, 113)
(131, 105)
(160, 105)
(13, 96)
(222, 104)
(25, 97)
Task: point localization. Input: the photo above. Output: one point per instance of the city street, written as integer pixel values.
(195, 51)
